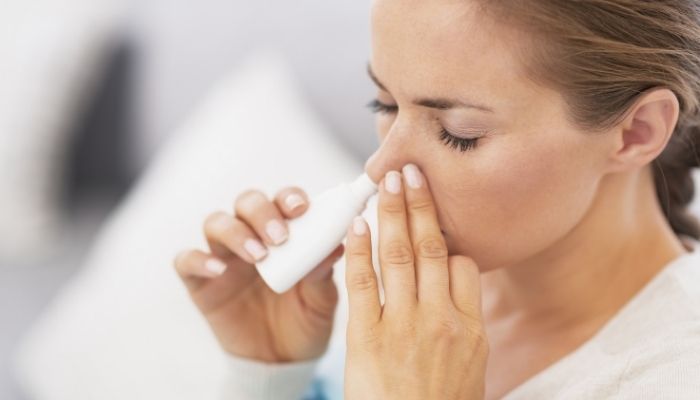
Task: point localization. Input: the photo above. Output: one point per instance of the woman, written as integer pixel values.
(552, 145)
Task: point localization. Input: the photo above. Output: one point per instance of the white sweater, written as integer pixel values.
(649, 350)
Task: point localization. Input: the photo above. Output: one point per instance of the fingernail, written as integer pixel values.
(255, 248)
(215, 266)
(358, 226)
(276, 231)
(294, 200)
(392, 182)
(413, 176)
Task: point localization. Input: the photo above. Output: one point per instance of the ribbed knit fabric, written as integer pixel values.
(650, 349)
(253, 380)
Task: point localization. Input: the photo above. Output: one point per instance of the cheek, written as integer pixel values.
(517, 205)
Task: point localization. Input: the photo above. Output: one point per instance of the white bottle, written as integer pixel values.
(315, 234)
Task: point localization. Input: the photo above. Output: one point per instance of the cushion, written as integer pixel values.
(124, 327)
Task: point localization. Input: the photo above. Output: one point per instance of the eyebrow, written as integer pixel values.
(437, 103)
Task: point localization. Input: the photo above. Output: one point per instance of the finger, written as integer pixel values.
(360, 279)
(255, 209)
(209, 281)
(228, 236)
(465, 285)
(429, 248)
(195, 267)
(318, 289)
(395, 251)
(292, 202)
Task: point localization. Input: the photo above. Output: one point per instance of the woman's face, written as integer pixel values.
(531, 177)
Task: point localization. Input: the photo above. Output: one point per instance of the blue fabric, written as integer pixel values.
(316, 390)
(322, 388)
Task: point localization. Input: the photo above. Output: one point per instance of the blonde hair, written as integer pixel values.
(602, 55)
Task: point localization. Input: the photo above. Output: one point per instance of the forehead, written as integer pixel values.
(444, 47)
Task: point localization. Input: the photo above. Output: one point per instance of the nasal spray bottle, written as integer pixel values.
(315, 234)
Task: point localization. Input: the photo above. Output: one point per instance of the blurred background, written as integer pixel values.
(122, 123)
(91, 89)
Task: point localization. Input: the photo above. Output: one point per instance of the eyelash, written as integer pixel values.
(449, 139)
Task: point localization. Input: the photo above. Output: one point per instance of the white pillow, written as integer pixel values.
(50, 53)
(124, 328)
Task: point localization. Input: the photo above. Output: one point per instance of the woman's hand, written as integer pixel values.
(427, 341)
(247, 317)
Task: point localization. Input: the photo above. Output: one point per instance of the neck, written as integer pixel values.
(619, 246)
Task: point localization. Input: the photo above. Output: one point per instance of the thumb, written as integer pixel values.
(317, 289)
(465, 285)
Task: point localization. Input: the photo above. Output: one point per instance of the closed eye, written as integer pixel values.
(455, 142)
(378, 107)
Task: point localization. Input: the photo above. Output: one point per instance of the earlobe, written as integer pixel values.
(646, 130)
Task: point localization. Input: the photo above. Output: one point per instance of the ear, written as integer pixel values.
(645, 131)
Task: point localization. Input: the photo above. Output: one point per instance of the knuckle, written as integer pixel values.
(362, 281)
(249, 201)
(431, 247)
(361, 253)
(447, 328)
(180, 258)
(393, 207)
(480, 342)
(472, 312)
(420, 205)
(397, 253)
(372, 339)
(369, 338)
(406, 327)
(216, 223)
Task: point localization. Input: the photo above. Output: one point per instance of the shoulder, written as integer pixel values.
(668, 363)
(686, 275)
(668, 367)
(674, 296)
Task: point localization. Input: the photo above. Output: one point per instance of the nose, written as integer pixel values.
(372, 168)
(390, 156)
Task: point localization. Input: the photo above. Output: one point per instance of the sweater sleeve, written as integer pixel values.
(248, 379)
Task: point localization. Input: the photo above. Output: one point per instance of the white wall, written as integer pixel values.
(183, 47)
